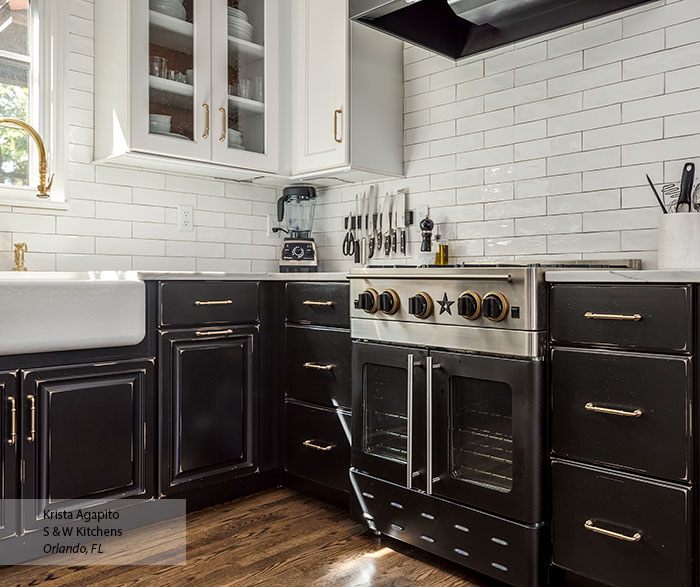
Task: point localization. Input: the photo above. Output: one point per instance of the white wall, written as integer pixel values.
(125, 219)
(541, 149)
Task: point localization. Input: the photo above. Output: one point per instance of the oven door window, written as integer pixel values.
(481, 432)
(385, 432)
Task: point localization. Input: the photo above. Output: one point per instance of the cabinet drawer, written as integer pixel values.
(651, 435)
(325, 304)
(318, 447)
(205, 302)
(318, 365)
(634, 317)
(650, 543)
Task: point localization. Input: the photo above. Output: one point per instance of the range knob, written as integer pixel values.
(367, 301)
(495, 306)
(469, 305)
(420, 305)
(388, 301)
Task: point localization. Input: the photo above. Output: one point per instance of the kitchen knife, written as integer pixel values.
(373, 214)
(395, 224)
(387, 218)
(401, 213)
(684, 203)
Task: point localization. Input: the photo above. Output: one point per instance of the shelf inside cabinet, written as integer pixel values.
(247, 52)
(170, 93)
(172, 33)
(246, 105)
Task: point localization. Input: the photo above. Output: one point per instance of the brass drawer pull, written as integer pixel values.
(13, 421)
(214, 303)
(323, 304)
(311, 443)
(624, 317)
(32, 415)
(213, 332)
(222, 138)
(593, 408)
(589, 525)
(319, 367)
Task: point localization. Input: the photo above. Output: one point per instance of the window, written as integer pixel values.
(32, 38)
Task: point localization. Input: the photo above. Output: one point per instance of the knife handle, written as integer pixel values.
(387, 243)
(402, 246)
(393, 240)
(687, 183)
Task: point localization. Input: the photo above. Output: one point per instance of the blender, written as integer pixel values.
(298, 203)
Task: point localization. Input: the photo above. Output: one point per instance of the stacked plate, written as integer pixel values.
(235, 139)
(172, 8)
(238, 25)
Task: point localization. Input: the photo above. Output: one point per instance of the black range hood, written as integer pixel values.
(459, 28)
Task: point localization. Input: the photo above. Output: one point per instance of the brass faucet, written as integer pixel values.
(20, 249)
(43, 187)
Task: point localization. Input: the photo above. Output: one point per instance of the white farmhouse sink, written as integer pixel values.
(45, 312)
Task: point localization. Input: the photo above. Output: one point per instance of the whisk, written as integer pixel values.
(671, 192)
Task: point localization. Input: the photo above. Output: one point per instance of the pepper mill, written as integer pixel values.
(20, 249)
(426, 226)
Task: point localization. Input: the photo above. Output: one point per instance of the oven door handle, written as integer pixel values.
(409, 420)
(429, 426)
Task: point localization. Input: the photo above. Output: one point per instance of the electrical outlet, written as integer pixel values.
(185, 218)
(421, 212)
(273, 223)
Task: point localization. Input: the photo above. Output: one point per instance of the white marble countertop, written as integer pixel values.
(624, 276)
(168, 275)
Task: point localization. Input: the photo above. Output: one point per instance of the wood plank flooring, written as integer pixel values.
(274, 538)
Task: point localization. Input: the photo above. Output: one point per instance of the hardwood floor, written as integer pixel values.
(274, 538)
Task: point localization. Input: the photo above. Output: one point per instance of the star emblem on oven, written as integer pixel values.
(445, 305)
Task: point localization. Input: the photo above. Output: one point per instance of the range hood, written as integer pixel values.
(459, 28)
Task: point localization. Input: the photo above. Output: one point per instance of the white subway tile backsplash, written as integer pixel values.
(624, 91)
(676, 148)
(548, 186)
(661, 61)
(548, 108)
(458, 144)
(517, 58)
(592, 242)
(682, 124)
(563, 224)
(583, 80)
(623, 134)
(515, 134)
(515, 96)
(661, 106)
(548, 69)
(586, 161)
(585, 39)
(606, 116)
(560, 145)
(624, 49)
(661, 17)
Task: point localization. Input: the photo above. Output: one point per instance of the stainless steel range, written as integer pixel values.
(449, 411)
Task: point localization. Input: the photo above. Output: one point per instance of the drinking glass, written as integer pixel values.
(158, 66)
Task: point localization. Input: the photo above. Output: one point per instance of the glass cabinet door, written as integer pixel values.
(172, 113)
(244, 82)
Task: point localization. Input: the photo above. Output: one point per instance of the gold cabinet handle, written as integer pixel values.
(214, 303)
(311, 443)
(32, 418)
(13, 421)
(336, 114)
(589, 525)
(591, 407)
(222, 138)
(323, 304)
(213, 332)
(629, 317)
(205, 135)
(319, 367)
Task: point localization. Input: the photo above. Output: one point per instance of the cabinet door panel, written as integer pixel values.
(245, 84)
(9, 521)
(86, 433)
(210, 402)
(208, 407)
(184, 45)
(320, 49)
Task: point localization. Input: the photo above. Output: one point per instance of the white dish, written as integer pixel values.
(176, 10)
(241, 35)
(240, 22)
(238, 13)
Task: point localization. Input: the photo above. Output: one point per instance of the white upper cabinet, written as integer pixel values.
(347, 95)
(190, 80)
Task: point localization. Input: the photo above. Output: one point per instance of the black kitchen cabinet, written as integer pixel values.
(86, 434)
(623, 375)
(317, 385)
(9, 447)
(208, 403)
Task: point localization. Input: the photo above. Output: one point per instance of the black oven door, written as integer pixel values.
(388, 406)
(488, 433)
